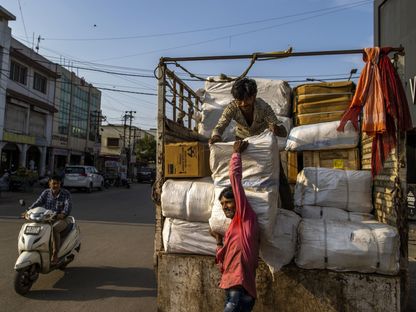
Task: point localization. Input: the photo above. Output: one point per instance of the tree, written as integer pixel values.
(146, 150)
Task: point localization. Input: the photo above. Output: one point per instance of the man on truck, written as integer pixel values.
(253, 116)
(238, 252)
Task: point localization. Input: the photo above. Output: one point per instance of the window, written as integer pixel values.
(64, 104)
(37, 124)
(39, 82)
(16, 118)
(113, 142)
(18, 72)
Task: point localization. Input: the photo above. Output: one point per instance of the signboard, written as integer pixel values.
(18, 138)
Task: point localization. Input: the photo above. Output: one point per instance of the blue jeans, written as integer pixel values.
(238, 300)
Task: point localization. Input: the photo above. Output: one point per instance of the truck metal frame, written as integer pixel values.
(189, 282)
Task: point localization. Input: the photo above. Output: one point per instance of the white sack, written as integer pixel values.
(189, 200)
(349, 190)
(280, 248)
(322, 136)
(318, 212)
(260, 162)
(367, 247)
(264, 205)
(181, 236)
(217, 95)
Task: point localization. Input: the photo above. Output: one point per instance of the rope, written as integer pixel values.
(225, 78)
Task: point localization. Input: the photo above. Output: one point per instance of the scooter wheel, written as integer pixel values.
(23, 281)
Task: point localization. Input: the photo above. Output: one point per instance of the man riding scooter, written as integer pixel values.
(59, 201)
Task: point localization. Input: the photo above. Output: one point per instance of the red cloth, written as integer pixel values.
(380, 93)
(238, 258)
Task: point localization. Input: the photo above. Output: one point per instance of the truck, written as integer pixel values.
(188, 282)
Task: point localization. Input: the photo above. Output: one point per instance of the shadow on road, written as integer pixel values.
(87, 283)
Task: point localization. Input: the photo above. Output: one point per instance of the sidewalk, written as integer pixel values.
(7, 197)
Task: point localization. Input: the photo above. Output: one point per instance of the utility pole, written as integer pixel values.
(129, 115)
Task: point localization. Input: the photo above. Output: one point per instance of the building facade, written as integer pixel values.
(28, 111)
(75, 137)
(49, 117)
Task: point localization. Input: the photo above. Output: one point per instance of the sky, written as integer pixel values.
(111, 43)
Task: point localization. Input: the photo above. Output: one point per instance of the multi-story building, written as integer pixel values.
(75, 138)
(117, 141)
(5, 39)
(49, 117)
(28, 111)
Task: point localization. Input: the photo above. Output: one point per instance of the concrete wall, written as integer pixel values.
(189, 283)
(395, 25)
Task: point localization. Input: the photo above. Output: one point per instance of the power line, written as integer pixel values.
(207, 28)
(23, 20)
(235, 35)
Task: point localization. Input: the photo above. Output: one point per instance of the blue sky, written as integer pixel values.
(130, 36)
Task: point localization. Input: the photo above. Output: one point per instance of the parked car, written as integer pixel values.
(146, 174)
(83, 177)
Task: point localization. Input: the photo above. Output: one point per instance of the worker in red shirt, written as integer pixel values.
(238, 252)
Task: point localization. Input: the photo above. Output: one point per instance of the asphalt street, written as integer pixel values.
(114, 270)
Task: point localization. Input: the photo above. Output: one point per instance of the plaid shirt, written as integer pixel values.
(263, 117)
(59, 204)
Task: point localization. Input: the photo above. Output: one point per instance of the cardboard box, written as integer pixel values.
(187, 160)
(347, 159)
(307, 119)
(292, 166)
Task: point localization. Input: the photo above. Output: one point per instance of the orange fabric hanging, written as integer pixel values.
(369, 95)
(381, 96)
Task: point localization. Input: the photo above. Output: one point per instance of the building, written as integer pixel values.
(117, 141)
(28, 110)
(49, 117)
(5, 42)
(75, 137)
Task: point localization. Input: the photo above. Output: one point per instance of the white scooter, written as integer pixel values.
(34, 244)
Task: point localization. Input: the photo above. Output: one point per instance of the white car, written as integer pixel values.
(85, 177)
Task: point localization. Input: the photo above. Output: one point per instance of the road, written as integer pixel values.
(114, 270)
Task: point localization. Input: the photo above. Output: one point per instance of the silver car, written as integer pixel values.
(83, 177)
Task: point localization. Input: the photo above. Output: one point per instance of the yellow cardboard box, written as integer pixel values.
(187, 160)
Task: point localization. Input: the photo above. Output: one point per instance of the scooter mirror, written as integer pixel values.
(22, 202)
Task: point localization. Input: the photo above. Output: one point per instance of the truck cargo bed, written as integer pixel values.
(190, 283)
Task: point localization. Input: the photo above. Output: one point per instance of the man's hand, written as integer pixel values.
(217, 236)
(240, 146)
(23, 215)
(279, 131)
(215, 139)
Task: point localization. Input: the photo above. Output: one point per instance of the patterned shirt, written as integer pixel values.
(59, 204)
(238, 258)
(263, 117)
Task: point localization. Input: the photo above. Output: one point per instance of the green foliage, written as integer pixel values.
(146, 150)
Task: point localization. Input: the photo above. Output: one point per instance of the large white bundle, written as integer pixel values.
(319, 212)
(368, 247)
(217, 95)
(349, 190)
(280, 248)
(322, 136)
(188, 199)
(181, 236)
(263, 203)
(260, 162)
